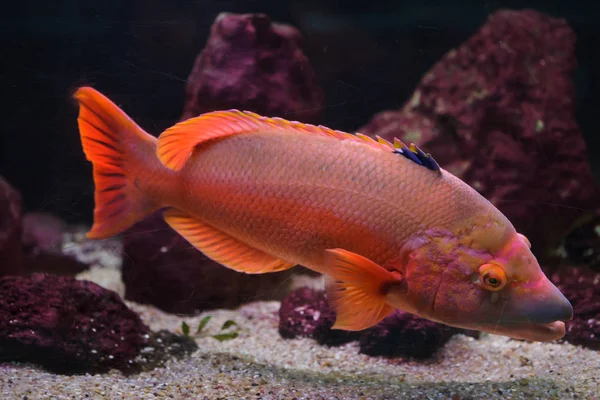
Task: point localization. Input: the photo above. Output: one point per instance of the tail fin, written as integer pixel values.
(114, 144)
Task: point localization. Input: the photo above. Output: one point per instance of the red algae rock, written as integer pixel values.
(305, 312)
(405, 335)
(161, 268)
(582, 287)
(42, 231)
(42, 240)
(498, 113)
(10, 230)
(66, 325)
(582, 245)
(251, 63)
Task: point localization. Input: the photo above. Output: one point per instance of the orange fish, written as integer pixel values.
(383, 222)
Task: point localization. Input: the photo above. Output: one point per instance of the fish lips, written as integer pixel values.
(530, 331)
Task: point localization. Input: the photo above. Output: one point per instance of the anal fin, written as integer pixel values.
(221, 247)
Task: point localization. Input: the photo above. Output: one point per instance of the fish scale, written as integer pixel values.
(260, 178)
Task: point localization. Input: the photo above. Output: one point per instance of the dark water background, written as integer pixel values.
(368, 57)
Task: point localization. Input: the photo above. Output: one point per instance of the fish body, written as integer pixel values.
(295, 195)
(385, 225)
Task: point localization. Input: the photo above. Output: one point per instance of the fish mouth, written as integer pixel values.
(530, 331)
(539, 315)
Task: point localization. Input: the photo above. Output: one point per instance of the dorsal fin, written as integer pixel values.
(175, 145)
(416, 155)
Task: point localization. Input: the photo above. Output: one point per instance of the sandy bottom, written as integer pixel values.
(259, 364)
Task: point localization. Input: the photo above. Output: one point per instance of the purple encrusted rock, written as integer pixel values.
(66, 325)
(582, 245)
(582, 287)
(305, 312)
(498, 112)
(251, 63)
(402, 334)
(10, 230)
(42, 241)
(42, 231)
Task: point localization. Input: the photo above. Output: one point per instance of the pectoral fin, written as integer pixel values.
(221, 247)
(356, 288)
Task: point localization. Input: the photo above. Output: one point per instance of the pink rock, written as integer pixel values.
(10, 230)
(251, 63)
(582, 245)
(67, 325)
(402, 334)
(581, 286)
(306, 312)
(42, 230)
(498, 112)
(42, 240)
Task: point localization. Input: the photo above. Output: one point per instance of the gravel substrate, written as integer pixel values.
(259, 364)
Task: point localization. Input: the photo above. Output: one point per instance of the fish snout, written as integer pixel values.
(545, 304)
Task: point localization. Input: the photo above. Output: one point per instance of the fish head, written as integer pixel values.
(488, 281)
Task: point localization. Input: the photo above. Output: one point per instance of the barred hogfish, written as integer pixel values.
(382, 221)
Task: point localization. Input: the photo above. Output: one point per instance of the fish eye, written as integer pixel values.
(492, 277)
